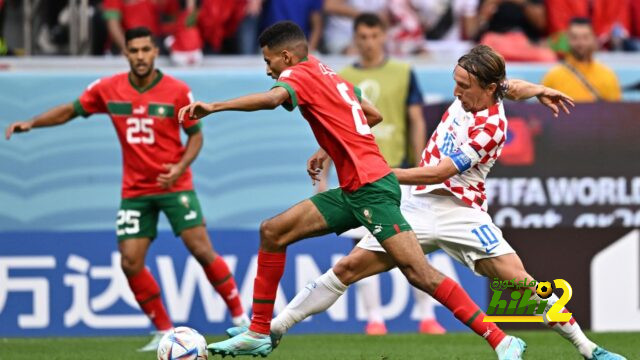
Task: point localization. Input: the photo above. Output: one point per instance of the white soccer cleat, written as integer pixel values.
(155, 341)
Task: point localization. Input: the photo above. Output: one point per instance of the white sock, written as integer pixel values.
(569, 331)
(369, 291)
(425, 305)
(316, 297)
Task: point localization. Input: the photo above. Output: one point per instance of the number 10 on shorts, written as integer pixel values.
(485, 235)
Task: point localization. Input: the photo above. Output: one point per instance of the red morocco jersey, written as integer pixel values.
(146, 121)
(330, 105)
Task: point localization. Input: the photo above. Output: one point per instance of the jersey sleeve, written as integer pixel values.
(190, 126)
(414, 96)
(112, 9)
(91, 101)
(358, 93)
(292, 80)
(483, 144)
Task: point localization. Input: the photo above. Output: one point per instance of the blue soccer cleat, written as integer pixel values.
(237, 330)
(511, 348)
(242, 344)
(602, 354)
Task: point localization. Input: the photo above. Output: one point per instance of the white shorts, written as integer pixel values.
(445, 222)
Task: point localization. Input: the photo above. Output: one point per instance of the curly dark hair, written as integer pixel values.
(281, 33)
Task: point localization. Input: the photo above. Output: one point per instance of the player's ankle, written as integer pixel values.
(256, 335)
(585, 346)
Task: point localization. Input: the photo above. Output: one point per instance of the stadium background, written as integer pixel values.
(60, 190)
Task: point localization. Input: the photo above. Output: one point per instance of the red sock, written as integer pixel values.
(147, 294)
(451, 295)
(270, 270)
(222, 280)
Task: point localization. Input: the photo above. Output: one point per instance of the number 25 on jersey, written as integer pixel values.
(140, 131)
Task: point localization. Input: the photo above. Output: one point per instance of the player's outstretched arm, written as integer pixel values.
(261, 101)
(56, 116)
(374, 117)
(551, 98)
(427, 175)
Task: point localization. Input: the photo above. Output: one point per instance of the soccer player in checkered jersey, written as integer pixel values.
(143, 104)
(446, 206)
(368, 195)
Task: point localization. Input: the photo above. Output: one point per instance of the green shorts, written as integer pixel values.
(138, 217)
(375, 206)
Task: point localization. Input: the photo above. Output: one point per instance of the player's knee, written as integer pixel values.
(269, 236)
(131, 265)
(345, 270)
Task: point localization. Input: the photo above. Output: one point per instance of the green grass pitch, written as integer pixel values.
(541, 345)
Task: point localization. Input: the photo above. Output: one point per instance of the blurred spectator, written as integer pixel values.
(635, 24)
(448, 20)
(406, 34)
(3, 45)
(53, 35)
(306, 13)
(513, 28)
(580, 75)
(122, 15)
(503, 16)
(338, 33)
(185, 43)
(247, 36)
(218, 21)
(261, 14)
(611, 19)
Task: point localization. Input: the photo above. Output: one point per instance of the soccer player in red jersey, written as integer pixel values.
(142, 104)
(368, 195)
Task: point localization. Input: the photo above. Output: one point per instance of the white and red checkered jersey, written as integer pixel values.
(473, 141)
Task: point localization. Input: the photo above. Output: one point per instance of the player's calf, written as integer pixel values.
(198, 243)
(404, 249)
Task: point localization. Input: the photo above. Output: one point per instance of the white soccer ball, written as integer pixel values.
(182, 343)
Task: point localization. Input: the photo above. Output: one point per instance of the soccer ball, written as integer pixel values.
(544, 289)
(182, 343)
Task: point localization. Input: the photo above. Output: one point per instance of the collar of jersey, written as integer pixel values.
(497, 103)
(148, 87)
